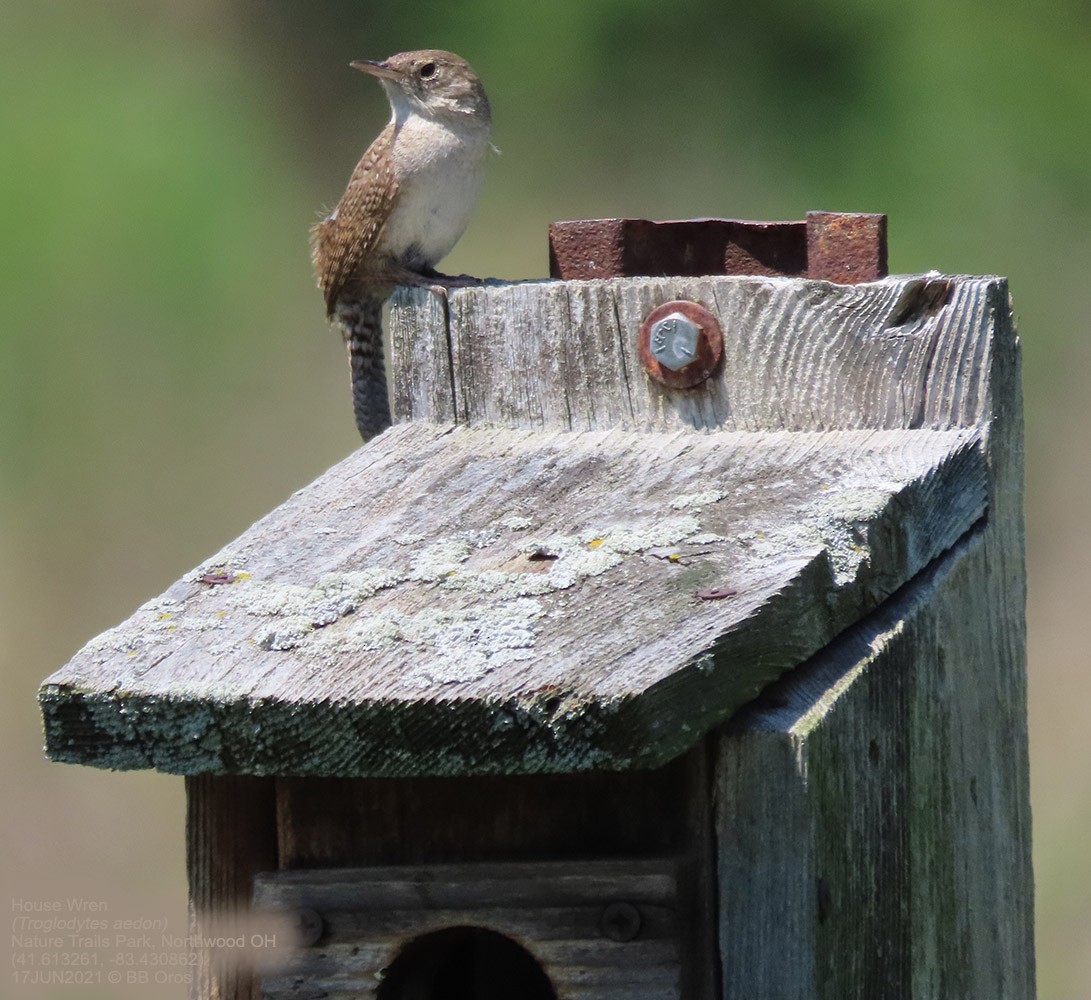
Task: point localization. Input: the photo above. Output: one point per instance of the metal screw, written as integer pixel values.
(620, 922)
(674, 341)
(680, 344)
(308, 926)
(716, 593)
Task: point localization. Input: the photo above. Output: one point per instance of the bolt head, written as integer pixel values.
(680, 344)
(621, 922)
(308, 927)
(674, 340)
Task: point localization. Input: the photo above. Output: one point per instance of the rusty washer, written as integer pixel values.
(680, 344)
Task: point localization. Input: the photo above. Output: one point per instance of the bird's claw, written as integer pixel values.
(433, 281)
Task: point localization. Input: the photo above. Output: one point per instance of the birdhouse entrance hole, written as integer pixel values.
(464, 963)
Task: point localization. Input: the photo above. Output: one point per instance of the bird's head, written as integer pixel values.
(432, 83)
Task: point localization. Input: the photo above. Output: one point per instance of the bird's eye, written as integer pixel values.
(427, 71)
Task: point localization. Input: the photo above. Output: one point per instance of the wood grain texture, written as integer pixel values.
(484, 600)
(342, 822)
(874, 822)
(554, 910)
(905, 352)
(230, 836)
(874, 814)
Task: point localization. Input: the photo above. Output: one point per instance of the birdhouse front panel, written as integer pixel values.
(570, 931)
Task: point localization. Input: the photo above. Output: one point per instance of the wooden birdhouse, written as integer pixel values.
(670, 645)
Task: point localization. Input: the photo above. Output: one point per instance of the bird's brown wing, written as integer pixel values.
(342, 244)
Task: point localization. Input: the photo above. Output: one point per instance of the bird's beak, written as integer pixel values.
(379, 69)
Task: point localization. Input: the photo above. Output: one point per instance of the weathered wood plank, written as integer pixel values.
(905, 352)
(230, 835)
(417, 355)
(874, 815)
(425, 606)
(340, 822)
(567, 883)
(555, 910)
(571, 983)
(560, 929)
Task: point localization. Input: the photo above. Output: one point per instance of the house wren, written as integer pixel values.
(407, 203)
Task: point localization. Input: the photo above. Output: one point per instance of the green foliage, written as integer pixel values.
(158, 239)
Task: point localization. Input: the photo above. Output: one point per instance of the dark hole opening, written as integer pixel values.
(464, 963)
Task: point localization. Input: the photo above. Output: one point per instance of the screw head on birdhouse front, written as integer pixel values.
(680, 344)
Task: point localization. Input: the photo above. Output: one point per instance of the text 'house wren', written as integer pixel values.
(407, 203)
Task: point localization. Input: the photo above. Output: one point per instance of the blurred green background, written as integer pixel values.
(166, 375)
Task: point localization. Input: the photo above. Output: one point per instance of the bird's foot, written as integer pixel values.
(434, 281)
(436, 278)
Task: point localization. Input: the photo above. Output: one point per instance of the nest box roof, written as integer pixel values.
(469, 600)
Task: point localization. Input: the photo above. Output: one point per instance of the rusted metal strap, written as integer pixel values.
(838, 246)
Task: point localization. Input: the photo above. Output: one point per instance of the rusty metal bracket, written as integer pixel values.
(836, 246)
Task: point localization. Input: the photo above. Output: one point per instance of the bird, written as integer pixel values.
(406, 204)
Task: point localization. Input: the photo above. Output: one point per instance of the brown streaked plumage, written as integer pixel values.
(344, 243)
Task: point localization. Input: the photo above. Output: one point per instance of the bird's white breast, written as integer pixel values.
(439, 172)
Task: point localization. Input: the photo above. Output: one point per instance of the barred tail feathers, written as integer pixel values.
(362, 324)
